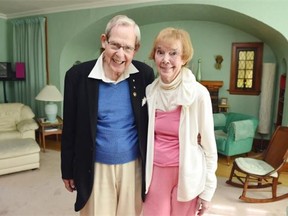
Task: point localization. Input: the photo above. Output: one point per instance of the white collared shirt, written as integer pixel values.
(97, 72)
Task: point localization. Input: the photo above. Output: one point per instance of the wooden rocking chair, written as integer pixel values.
(251, 173)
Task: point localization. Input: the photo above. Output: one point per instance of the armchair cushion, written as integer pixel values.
(257, 167)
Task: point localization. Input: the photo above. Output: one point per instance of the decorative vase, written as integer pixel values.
(199, 75)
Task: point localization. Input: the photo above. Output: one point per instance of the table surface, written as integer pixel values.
(44, 123)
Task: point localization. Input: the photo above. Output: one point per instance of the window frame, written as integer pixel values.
(257, 47)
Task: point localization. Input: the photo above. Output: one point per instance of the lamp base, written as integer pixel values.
(51, 110)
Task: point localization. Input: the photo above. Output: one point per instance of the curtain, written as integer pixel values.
(29, 46)
(266, 97)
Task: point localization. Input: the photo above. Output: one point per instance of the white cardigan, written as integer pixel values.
(197, 165)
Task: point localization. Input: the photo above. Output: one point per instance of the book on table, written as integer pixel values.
(48, 129)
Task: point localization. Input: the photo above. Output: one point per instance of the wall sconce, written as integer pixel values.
(50, 94)
(219, 59)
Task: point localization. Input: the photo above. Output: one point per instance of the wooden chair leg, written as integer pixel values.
(245, 188)
(274, 187)
(234, 177)
(228, 160)
(231, 173)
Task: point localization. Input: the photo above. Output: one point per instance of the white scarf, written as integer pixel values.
(181, 91)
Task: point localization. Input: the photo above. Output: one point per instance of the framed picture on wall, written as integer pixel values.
(223, 101)
(5, 70)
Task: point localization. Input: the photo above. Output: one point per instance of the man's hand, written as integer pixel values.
(69, 184)
(202, 206)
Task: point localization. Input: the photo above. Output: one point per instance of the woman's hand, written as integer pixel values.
(202, 206)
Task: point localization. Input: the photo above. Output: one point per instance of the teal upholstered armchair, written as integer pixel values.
(234, 133)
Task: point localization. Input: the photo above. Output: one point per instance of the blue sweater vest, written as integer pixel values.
(117, 139)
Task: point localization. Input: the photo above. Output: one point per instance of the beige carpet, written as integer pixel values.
(41, 193)
(36, 192)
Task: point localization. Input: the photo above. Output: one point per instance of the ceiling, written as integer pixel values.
(19, 8)
(157, 13)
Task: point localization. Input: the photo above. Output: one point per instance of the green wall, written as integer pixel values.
(213, 27)
(207, 48)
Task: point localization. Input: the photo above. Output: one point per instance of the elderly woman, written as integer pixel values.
(180, 172)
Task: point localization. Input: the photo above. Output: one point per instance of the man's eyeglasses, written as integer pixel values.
(116, 46)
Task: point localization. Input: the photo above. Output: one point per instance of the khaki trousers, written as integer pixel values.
(116, 191)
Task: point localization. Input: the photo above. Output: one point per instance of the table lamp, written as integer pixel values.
(50, 94)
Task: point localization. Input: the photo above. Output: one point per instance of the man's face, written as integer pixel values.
(119, 50)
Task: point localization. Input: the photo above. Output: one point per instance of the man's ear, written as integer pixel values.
(137, 47)
(103, 39)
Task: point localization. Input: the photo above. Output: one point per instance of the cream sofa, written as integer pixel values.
(16, 121)
(18, 149)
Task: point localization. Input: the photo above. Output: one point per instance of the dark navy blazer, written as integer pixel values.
(80, 119)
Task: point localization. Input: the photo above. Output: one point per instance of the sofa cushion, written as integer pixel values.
(7, 122)
(16, 147)
(26, 113)
(10, 116)
(16, 121)
(10, 135)
(26, 125)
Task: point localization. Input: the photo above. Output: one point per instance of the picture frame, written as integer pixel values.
(5, 70)
(224, 101)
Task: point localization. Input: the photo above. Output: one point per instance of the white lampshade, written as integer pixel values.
(51, 94)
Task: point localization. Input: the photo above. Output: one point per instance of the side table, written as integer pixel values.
(223, 108)
(47, 128)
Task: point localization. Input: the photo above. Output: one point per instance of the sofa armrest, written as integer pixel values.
(26, 125)
(242, 129)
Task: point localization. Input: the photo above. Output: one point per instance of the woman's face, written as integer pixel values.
(168, 59)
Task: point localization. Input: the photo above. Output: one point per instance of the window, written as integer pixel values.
(246, 68)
